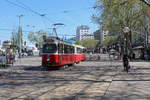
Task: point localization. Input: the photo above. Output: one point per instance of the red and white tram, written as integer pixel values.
(59, 53)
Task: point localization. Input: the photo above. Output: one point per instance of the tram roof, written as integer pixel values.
(80, 46)
(57, 39)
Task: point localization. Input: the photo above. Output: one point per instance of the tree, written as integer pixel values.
(37, 37)
(78, 43)
(109, 41)
(118, 14)
(15, 39)
(89, 43)
(147, 2)
(20, 36)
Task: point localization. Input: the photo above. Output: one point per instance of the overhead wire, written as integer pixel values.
(42, 15)
(11, 30)
(71, 10)
(69, 18)
(4, 35)
(23, 6)
(27, 7)
(15, 4)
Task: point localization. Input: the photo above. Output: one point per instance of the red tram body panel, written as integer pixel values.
(59, 53)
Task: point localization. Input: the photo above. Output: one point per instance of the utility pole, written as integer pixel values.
(20, 35)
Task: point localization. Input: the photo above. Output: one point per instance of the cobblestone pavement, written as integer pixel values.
(27, 80)
(134, 85)
(89, 80)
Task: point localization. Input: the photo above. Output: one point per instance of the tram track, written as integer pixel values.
(65, 82)
(43, 82)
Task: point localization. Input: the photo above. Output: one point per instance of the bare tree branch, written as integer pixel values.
(146, 2)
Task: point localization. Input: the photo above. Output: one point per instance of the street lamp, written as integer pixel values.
(20, 35)
(126, 31)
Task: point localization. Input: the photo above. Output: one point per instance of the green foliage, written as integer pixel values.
(109, 40)
(78, 43)
(20, 33)
(15, 39)
(37, 37)
(89, 43)
(118, 14)
(147, 2)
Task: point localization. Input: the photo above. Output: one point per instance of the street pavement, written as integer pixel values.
(134, 85)
(95, 79)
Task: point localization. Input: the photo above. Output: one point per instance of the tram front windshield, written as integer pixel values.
(49, 48)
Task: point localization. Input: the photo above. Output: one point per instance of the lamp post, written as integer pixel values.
(20, 35)
(126, 31)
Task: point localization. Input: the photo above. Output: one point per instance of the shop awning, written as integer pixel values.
(138, 47)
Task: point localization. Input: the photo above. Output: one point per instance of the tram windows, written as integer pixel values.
(68, 49)
(60, 48)
(65, 48)
(72, 50)
(49, 48)
(84, 50)
(79, 50)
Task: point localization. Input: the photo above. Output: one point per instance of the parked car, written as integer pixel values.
(112, 52)
(24, 54)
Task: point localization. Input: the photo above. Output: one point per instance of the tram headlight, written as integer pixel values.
(48, 59)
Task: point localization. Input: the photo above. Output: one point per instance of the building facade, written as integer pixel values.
(100, 35)
(82, 32)
(97, 35)
(103, 36)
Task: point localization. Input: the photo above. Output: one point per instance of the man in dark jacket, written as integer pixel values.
(125, 59)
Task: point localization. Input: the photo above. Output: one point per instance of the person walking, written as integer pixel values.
(125, 62)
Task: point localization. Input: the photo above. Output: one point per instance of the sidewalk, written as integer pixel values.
(134, 85)
(19, 66)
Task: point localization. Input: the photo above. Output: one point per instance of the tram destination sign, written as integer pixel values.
(49, 40)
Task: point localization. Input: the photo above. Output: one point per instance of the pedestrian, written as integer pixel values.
(133, 56)
(125, 58)
(99, 57)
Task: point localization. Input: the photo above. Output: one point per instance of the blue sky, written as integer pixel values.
(72, 13)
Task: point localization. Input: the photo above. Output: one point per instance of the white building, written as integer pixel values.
(83, 32)
(87, 36)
